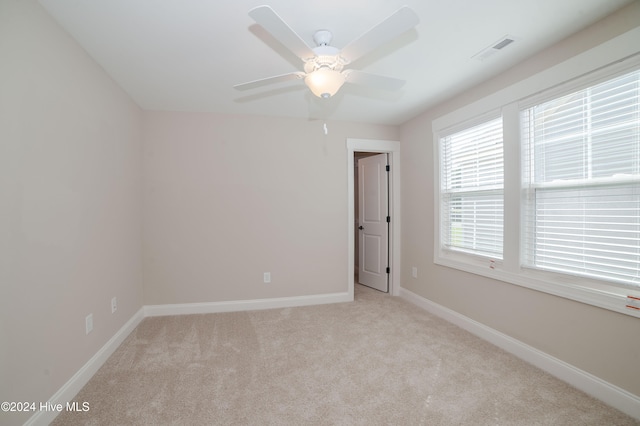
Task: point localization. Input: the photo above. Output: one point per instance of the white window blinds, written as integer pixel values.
(582, 182)
(471, 193)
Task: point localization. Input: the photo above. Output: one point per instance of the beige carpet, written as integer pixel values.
(376, 361)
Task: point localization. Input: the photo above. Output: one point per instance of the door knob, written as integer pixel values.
(360, 227)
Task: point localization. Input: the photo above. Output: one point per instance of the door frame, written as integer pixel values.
(383, 147)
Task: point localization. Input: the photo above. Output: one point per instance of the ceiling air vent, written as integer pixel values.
(494, 48)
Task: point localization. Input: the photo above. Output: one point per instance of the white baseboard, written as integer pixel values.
(244, 305)
(610, 394)
(70, 389)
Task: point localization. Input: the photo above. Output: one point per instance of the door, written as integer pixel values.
(373, 225)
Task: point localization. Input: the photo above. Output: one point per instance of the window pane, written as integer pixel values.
(474, 157)
(589, 134)
(476, 223)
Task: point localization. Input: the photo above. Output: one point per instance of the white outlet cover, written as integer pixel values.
(267, 277)
(114, 305)
(414, 272)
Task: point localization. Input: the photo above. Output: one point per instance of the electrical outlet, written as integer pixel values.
(114, 305)
(267, 277)
(414, 272)
(88, 323)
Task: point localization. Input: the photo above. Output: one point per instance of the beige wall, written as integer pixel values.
(70, 210)
(227, 198)
(595, 340)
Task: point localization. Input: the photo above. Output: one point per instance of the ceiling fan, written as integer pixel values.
(324, 65)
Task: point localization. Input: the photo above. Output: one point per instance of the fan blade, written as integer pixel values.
(400, 22)
(268, 19)
(372, 80)
(270, 80)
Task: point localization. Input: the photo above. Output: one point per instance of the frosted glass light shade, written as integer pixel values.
(324, 82)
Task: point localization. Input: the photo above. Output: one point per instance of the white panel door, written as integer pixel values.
(373, 209)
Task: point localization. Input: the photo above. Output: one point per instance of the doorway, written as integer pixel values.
(392, 148)
(371, 255)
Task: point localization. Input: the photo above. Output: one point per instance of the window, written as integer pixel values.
(472, 190)
(544, 192)
(581, 176)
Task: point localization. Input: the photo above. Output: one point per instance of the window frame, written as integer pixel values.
(484, 119)
(607, 74)
(598, 64)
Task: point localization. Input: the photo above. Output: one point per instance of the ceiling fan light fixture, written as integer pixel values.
(324, 82)
(323, 64)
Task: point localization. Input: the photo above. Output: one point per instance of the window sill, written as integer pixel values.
(592, 292)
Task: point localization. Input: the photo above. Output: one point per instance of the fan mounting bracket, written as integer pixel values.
(322, 37)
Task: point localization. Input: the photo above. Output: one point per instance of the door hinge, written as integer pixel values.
(388, 219)
(388, 167)
(388, 270)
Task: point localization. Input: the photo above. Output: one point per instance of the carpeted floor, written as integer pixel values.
(376, 361)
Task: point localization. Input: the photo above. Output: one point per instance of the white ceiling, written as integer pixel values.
(185, 55)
